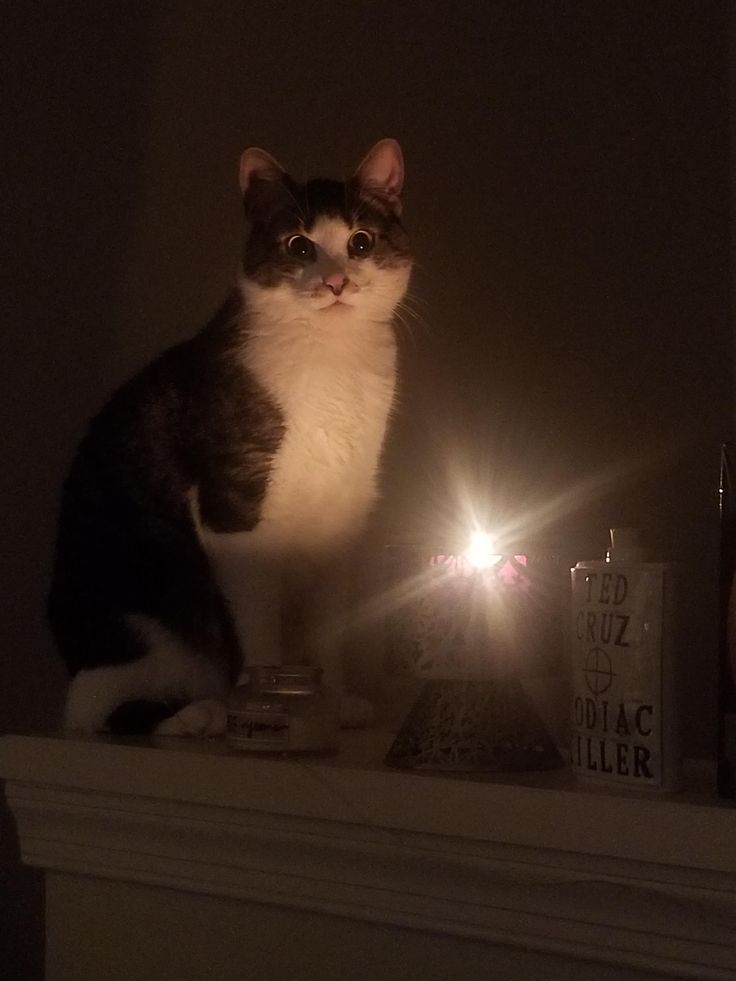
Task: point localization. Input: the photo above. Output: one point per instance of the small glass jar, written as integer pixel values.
(283, 709)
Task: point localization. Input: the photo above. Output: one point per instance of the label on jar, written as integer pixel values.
(617, 673)
(252, 726)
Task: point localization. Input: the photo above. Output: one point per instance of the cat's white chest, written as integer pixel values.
(335, 390)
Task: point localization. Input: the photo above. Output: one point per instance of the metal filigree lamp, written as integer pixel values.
(483, 631)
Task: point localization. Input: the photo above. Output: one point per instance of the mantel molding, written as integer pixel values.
(651, 884)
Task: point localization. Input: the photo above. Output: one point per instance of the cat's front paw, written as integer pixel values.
(207, 717)
(355, 712)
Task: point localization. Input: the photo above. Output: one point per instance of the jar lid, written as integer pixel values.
(286, 678)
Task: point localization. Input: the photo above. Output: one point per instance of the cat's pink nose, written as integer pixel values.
(336, 282)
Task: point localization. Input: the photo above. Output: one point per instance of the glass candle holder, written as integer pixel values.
(284, 709)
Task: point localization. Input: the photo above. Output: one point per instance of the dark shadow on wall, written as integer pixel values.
(75, 90)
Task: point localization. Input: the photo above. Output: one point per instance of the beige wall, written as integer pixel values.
(567, 189)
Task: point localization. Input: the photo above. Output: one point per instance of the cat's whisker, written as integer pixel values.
(415, 297)
(410, 321)
(417, 320)
(408, 327)
(410, 301)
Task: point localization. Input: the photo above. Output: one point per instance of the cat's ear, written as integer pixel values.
(382, 172)
(256, 164)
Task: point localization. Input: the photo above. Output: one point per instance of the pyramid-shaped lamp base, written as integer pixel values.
(478, 725)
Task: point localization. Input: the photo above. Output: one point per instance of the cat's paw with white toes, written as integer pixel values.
(207, 717)
(355, 712)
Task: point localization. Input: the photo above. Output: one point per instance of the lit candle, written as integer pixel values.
(481, 552)
(461, 623)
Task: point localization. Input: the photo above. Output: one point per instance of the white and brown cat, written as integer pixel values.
(213, 494)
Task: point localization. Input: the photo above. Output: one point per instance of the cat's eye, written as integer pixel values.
(299, 247)
(361, 243)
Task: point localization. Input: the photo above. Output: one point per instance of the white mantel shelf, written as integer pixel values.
(644, 882)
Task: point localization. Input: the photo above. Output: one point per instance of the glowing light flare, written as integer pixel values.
(481, 553)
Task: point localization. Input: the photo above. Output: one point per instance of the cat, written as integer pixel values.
(209, 510)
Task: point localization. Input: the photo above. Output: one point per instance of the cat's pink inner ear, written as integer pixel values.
(255, 162)
(382, 169)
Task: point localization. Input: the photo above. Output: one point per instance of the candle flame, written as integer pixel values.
(481, 553)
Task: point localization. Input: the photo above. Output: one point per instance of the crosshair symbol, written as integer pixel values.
(598, 671)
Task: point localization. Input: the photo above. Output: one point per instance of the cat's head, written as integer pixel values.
(326, 248)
